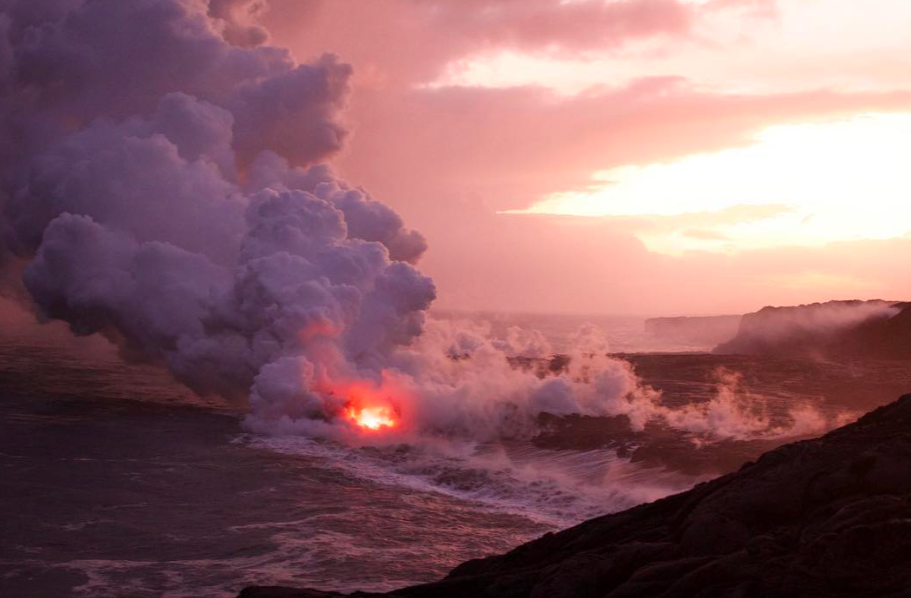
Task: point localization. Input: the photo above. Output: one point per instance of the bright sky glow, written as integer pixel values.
(724, 120)
(833, 181)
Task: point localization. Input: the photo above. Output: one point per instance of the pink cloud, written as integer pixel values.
(512, 146)
(413, 40)
(447, 158)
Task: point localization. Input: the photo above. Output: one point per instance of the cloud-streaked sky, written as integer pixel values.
(632, 156)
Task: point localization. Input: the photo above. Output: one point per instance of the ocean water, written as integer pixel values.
(114, 481)
(625, 334)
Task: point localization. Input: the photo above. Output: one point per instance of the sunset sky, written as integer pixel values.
(632, 156)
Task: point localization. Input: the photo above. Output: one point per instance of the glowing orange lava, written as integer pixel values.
(373, 406)
(372, 418)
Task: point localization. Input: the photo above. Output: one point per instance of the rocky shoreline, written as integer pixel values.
(824, 517)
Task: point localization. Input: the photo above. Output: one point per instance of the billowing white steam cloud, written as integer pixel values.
(158, 176)
(161, 173)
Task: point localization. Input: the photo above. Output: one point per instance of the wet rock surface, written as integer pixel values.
(823, 517)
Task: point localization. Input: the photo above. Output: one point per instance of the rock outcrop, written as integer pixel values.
(837, 329)
(824, 517)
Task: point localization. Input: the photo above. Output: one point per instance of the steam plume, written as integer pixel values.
(161, 176)
(164, 178)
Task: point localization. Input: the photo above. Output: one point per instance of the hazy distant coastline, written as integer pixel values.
(708, 330)
(835, 329)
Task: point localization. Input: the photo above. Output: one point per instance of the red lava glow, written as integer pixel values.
(372, 418)
(371, 406)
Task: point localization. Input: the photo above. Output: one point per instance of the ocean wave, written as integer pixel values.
(553, 488)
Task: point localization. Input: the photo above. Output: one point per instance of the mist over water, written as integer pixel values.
(189, 213)
(625, 334)
(166, 182)
(155, 498)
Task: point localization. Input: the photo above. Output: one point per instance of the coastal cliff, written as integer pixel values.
(836, 329)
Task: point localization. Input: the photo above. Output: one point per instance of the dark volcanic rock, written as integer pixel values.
(889, 337)
(837, 329)
(823, 517)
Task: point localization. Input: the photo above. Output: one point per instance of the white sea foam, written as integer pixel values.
(554, 488)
